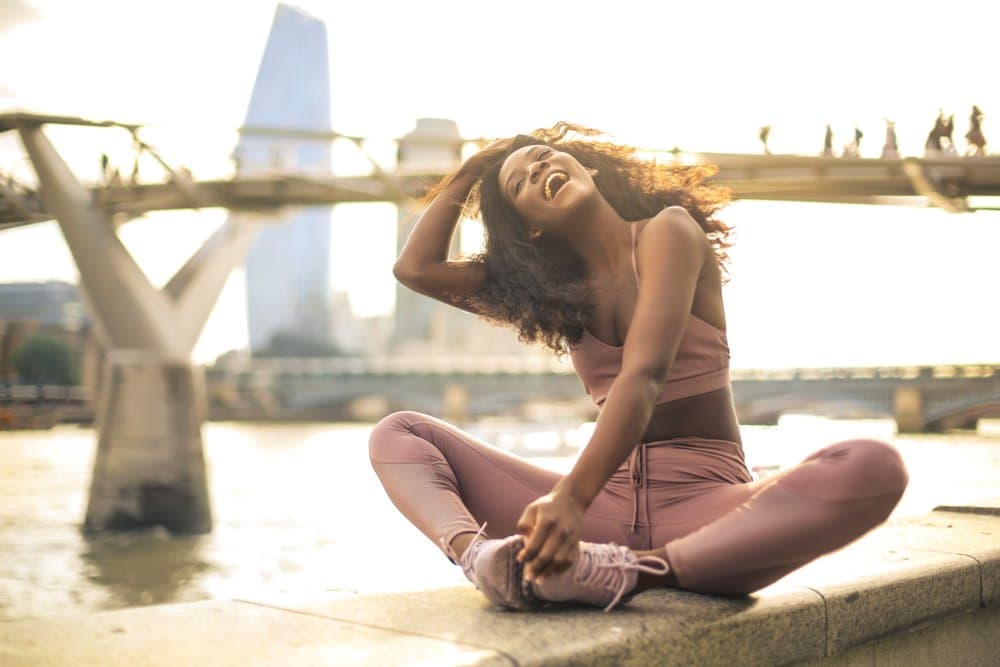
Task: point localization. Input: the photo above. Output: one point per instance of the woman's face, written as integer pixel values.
(544, 185)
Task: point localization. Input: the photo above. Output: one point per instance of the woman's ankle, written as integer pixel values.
(462, 541)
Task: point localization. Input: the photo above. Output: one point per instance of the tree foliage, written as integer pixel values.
(44, 359)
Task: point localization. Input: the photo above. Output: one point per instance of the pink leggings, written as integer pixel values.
(724, 533)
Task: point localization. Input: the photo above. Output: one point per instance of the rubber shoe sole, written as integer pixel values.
(501, 577)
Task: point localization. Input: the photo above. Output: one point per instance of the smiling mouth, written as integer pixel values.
(554, 182)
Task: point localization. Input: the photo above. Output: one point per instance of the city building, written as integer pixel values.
(288, 267)
(432, 147)
(49, 304)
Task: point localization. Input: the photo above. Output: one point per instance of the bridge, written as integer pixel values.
(919, 398)
(946, 181)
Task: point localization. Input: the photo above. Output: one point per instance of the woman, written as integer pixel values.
(620, 262)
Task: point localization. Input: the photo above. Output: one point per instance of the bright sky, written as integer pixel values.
(813, 284)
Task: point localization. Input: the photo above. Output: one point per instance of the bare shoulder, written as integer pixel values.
(672, 230)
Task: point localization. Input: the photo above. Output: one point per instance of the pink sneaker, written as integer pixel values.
(602, 574)
(491, 565)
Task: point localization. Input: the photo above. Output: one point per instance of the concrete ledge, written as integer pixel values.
(659, 627)
(221, 633)
(970, 639)
(896, 596)
(989, 506)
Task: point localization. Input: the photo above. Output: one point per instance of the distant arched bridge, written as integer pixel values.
(919, 398)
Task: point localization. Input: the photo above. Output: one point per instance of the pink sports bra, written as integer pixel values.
(700, 365)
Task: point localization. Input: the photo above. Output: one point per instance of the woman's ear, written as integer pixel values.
(593, 172)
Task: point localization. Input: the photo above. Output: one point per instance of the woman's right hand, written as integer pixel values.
(478, 162)
(423, 263)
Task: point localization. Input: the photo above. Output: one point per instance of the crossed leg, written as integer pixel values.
(738, 539)
(729, 541)
(447, 483)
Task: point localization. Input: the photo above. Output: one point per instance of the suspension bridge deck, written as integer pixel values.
(945, 181)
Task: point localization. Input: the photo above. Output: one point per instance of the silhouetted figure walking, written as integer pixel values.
(932, 146)
(853, 149)
(765, 132)
(975, 136)
(949, 129)
(828, 142)
(890, 150)
(105, 169)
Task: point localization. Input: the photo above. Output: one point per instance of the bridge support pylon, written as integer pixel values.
(908, 409)
(149, 469)
(456, 403)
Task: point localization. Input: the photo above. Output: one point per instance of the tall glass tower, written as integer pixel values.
(288, 268)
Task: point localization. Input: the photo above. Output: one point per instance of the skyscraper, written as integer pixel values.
(288, 268)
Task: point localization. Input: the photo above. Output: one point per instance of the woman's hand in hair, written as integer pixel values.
(478, 162)
(551, 526)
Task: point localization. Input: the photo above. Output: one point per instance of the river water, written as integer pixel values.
(298, 510)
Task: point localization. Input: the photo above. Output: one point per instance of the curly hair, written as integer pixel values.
(537, 286)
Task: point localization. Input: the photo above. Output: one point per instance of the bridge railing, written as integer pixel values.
(540, 365)
(48, 392)
(402, 365)
(868, 373)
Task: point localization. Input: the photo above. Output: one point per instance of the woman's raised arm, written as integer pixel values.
(423, 263)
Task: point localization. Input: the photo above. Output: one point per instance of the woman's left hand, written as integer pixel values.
(551, 526)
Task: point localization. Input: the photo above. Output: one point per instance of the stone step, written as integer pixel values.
(908, 586)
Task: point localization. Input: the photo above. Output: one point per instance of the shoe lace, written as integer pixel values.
(606, 566)
(468, 558)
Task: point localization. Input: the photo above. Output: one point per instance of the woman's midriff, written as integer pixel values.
(711, 415)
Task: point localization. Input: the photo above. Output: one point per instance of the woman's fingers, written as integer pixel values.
(502, 144)
(564, 557)
(551, 526)
(527, 521)
(542, 565)
(536, 540)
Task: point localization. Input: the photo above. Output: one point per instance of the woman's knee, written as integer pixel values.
(387, 441)
(880, 464)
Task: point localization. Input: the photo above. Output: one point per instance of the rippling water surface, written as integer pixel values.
(298, 510)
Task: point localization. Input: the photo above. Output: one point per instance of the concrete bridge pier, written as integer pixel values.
(908, 409)
(149, 469)
(456, 403)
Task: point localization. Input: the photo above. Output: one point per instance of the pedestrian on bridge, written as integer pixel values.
(618, 261)
(975, 136)
(827, 142)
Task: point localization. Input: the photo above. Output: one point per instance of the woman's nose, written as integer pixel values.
(536, 169)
